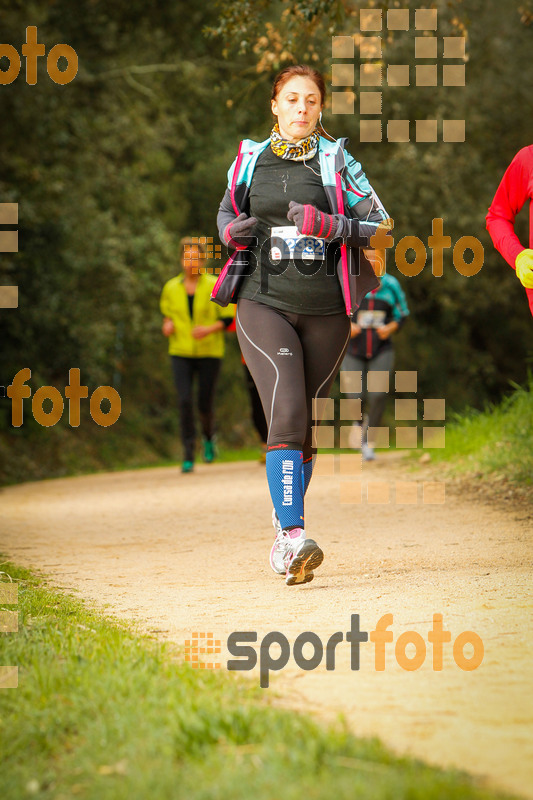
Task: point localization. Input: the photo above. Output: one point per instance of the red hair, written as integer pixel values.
(301, 70)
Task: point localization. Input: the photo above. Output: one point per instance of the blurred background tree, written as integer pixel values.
(111, 170)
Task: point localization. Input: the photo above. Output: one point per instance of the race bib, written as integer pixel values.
(370, 319)
(287, 243)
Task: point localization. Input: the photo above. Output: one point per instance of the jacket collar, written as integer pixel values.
(325, 146)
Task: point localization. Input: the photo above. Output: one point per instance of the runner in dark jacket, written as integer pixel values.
(380, 315)
(297, 210)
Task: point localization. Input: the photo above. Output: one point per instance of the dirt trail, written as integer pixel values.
(180, 554)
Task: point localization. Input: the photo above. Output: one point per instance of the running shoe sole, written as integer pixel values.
(302, 565)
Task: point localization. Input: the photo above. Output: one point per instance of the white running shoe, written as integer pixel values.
(277, 553)
(368, 452)
(302, 556)
(275, 521)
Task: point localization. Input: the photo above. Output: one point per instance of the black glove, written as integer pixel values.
(312, 222)
(237, 233)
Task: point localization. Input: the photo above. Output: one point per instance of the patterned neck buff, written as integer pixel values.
(295, 151)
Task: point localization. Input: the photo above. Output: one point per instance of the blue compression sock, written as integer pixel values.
(284, 475)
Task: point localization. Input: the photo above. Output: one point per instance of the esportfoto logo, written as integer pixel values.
(239, 644)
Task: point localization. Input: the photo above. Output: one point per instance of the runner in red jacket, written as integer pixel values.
(515, 188)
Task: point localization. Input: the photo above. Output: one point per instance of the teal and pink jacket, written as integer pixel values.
(379, 307)
(350, 197)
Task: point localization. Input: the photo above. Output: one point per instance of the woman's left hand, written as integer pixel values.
(387, 330)
(312, 222)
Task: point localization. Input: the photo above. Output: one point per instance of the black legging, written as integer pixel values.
(293, 358)
(375, 401)
(183, 370)
(258, 415)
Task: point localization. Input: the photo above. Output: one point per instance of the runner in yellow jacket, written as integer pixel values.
(175, 306)
(195, 330)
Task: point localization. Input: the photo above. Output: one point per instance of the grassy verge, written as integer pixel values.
(494, 442)
(103, 714)
(64, 453)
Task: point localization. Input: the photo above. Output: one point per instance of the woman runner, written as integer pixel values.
(297, 211)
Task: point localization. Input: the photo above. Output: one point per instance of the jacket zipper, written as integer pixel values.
(230, 260)
(344, 254)
(369, 331)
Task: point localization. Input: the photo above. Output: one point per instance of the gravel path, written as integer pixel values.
(182, 554)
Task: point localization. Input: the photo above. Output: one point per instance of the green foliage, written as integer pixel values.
(111, 170)
(496, 440)
(104, 714)
(288, 25)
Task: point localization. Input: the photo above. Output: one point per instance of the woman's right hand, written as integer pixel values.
(168, 327)
(355, 330)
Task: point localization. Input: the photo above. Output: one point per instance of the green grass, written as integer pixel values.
(103, 714)
(497, 440)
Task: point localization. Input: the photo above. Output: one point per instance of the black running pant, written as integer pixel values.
(376, 401)
(293, 358)
(184, 370)
(258, 414)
